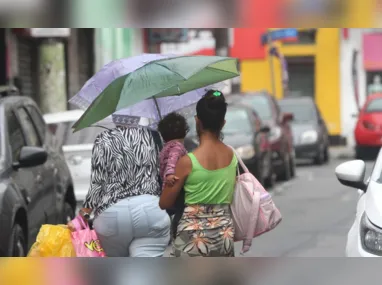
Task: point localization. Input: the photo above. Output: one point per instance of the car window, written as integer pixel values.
(262, 105)
(302, 112)
(38, 121)
(15, 134)
(374, 106)
(30, 132)
(237, 120)
(65, 136)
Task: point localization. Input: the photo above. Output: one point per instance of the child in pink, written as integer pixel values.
(173, 129)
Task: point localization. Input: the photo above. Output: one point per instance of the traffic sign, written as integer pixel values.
(279, 35)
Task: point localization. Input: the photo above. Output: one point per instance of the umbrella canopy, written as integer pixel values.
(158, 78)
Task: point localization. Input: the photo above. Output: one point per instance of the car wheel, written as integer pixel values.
(286, 175)
(292, 166)
(270, 181)
(270, 175)
(320, 158)
(326, 154)
(68, 214)
(18, 246)
(359, 152)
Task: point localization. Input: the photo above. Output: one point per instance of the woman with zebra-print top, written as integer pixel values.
(124, 193)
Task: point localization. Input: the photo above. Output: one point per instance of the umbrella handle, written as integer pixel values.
(157, 106)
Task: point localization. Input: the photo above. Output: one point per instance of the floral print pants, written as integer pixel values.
(205, 231)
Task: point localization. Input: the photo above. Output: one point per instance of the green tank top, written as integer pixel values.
(205, 186)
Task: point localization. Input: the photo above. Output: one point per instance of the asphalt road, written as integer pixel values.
(317, 214)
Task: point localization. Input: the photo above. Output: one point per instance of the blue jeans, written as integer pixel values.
(134, 227)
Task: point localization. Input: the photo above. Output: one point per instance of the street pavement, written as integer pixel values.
(317, 214)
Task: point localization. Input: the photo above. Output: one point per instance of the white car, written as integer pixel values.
(77, 146)
(365, 235)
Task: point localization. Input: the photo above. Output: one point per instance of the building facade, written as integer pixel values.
(314, 70)
(114, 43)
(361, 63)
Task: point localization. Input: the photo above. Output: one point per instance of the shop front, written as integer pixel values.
(313, 62)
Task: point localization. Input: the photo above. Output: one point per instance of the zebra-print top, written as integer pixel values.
(125, 163)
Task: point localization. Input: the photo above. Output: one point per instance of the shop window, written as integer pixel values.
(373, 82)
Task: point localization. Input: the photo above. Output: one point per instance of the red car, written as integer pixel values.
(368, 131)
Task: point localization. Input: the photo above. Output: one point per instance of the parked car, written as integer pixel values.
(368, 130)
(365, 235)
(77, 146)
(244, 131)
(280, 137)
(310, 134)
(36, 187)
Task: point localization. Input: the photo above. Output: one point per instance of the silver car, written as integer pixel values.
(77, 146)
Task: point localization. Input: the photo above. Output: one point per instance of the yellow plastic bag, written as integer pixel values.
(53, 241)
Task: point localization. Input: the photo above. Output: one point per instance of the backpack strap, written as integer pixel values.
(239, 160)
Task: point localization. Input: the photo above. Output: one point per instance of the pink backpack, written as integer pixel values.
(253, 210)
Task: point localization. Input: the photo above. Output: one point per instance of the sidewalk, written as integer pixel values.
(342, 152)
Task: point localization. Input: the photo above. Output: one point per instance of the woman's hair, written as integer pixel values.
(211, 110)
(173, 126)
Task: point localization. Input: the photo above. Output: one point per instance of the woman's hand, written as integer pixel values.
(71, 227)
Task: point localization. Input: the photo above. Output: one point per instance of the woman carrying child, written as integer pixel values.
(208, 176)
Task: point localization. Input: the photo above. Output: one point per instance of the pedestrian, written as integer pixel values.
(208, 175)
(173, 129)
(124, 193)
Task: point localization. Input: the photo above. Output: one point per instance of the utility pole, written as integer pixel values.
(271, 67)
(221, 36)
(52, 76)
(152, 47)
(222, 47)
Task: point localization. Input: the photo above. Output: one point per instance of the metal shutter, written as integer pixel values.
(301, 77)
(27, 66)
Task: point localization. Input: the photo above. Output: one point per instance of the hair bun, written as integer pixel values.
(215, 100)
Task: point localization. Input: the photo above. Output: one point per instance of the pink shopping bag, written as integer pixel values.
(86, 242)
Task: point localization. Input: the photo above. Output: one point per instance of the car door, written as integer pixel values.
(25, 177)
(52, 163)
(44, 173)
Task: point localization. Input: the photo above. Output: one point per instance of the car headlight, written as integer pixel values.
(371, 236)
(309, 137)
(246, 152)
(275, 134)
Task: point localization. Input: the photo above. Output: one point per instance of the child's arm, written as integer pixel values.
(173, 157)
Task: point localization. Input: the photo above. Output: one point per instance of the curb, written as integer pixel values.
(341, 153)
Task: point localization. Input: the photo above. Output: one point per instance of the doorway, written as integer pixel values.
(301, 76)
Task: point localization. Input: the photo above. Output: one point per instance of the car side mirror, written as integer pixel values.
(265, 129)
(352, 174)
(31, 156)
(287, 117)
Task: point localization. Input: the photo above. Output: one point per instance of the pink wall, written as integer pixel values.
(372, 52)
